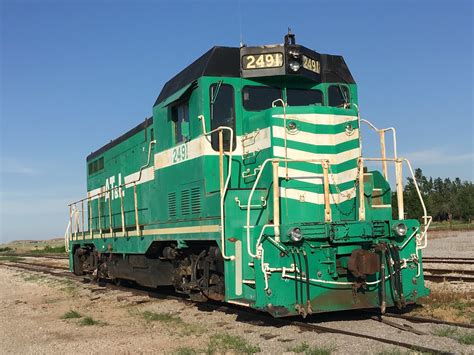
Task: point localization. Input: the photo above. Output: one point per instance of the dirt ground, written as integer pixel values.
(42, 314)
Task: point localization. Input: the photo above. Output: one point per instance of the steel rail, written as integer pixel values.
(448, 278)
(433, 260)
(31, 255)
(323, 329)
(34, 268)
(448, 271)
(448, 258)
(417, 319)
(56, 267)
(253, 314)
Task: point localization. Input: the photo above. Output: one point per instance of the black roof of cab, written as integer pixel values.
(148, 122)
(218, 61)
(225, 62)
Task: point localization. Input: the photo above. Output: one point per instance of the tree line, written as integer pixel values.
(445, 199)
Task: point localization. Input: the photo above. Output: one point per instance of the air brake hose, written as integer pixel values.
(393, 288)
(383, 296)
(398, 277)
(308, 298)
(296, 279)
(301, 276)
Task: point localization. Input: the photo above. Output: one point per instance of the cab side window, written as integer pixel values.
(180, 119)
(222, 108)
(338, 95)
(96, 165)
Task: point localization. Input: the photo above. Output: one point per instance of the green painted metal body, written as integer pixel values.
(181, 201)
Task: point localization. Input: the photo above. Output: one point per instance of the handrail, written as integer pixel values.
(381, 132)
(121, 185)
(68, 233)
(109, 191)
(223, 189)
(426, 218)
(285, 128)
(275, 187)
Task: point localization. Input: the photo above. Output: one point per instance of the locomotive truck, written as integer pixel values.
(248, 185)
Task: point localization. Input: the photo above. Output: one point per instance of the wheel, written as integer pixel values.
(77, 264)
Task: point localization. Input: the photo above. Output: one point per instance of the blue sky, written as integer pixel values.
(76, 74)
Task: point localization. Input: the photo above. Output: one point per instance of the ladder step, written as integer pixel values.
(248, 282)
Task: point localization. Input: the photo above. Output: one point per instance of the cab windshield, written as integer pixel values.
(258, 98)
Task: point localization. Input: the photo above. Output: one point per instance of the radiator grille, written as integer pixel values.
(185, 202)
(196, 200)
(172, 204)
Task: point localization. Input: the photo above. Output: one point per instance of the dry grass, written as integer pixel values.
(173, 323)
(225, 343)
(71, 315)
(305, 348)
(449, 306)
(88, 321)
(11, 258)
(464, 337)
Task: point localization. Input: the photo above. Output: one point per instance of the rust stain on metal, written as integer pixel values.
(363, 262)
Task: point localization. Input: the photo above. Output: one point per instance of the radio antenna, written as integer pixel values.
(240, 26)
(290, 37)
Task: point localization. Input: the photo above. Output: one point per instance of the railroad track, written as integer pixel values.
(448, 278)
(36, 265)
(251, 315)
(439, 260)
(32, 255)
(450, 275)
(435, 275)
(448, 271)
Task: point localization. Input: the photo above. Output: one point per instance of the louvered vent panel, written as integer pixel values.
(172, 204)
(185, 202)
(196, 200)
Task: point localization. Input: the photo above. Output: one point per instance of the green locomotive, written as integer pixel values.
(248, 186)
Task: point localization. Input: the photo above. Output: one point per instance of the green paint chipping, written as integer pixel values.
(460, 336)
(71, 315)
(223, 343)
(305, 348)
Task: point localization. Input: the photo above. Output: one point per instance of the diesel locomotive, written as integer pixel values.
(248, 185)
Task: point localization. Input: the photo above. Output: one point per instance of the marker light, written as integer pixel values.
(294, 53)
(400, 229)
(296, 235)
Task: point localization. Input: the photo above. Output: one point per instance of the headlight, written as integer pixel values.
(400, 229)
(294, 65)
(296, 235)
